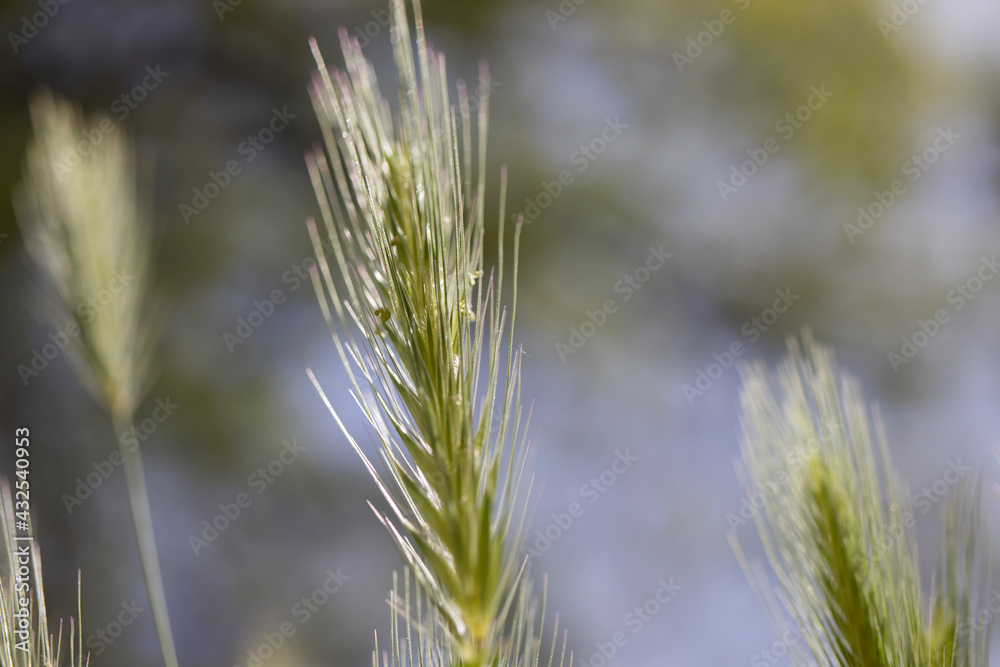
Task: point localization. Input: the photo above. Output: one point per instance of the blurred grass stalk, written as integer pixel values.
(426, 345)
(846, 567)
(25, 639)
(83, 228)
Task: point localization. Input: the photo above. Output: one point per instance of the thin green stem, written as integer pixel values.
(142, 519)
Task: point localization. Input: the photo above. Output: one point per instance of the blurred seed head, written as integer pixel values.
(837, 528)
(78, 212)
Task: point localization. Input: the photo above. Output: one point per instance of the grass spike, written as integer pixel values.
(89, 238)
(427, 343)
(835, 531)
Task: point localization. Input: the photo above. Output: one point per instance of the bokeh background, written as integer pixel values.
(691, 87)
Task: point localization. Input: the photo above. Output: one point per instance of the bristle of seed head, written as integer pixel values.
(835, 530)
(426, 344)
(82, 226)
(25, 637)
